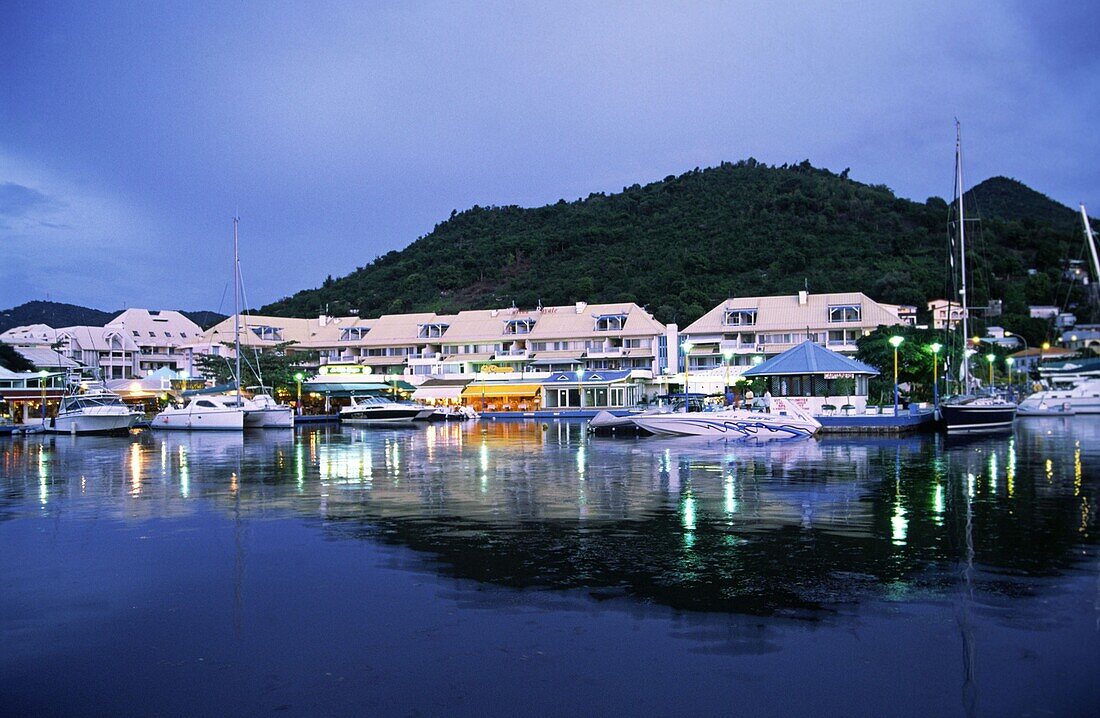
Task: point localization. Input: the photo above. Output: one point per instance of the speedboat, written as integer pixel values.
(453, 413)
(733, 424)
(1083, 398)
(202, 413)
(375, 410)
(93, 411)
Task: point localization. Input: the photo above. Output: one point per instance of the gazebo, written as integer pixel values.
(816, 378)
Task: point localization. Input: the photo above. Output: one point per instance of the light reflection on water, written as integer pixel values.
(811, 530)
(695, 525)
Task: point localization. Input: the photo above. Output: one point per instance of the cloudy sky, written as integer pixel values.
(130, 133)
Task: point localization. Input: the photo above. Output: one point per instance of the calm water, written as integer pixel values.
(524, 568)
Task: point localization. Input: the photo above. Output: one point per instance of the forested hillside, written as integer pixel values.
(58, 314)
(683, 244)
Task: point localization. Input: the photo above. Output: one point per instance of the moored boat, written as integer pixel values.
(92, 411)
(1082, 398)
(201, 413)
(375, 410)
(732, 424)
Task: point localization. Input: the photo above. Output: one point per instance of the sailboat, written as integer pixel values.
(261, 411)
(971, 411)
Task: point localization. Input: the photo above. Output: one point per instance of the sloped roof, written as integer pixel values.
(785, 313)
(46, 358)
(810, 358)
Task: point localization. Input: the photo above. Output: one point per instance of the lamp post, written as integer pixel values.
(298, 378)
(895, 341)
(1009, 361)
(989, 358)
(580, 386)
(42, 374)
(936, 347)
(687, 346)
(727, 353)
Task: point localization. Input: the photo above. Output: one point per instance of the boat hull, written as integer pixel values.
(381, 417)
(733, 425)
(965, 418)
(103, 423)
(205, 420)
(270, 418)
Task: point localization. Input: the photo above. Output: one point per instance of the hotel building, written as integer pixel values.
(742, 331)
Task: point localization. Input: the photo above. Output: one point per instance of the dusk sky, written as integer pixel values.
(131, 133)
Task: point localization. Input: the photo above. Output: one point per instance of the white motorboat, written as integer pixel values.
(789, 422)
(92, 411)
(1083, 398)
(202, 413)
(375, 410)
(453, 413)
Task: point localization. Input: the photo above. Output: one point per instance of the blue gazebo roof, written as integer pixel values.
(810, 358)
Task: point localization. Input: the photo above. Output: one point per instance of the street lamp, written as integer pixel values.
(42, 374)
(1009, 361)
(580, 385)
(298, 378)
(936, 347)
(687, 347)
(895, 341)
(990, 358)
(727, 353)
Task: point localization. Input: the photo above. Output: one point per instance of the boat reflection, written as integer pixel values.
(776, 527)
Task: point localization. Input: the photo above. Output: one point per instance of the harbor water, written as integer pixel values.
(527, 568)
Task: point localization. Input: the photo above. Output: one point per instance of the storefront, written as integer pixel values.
(613, 389)
(502, 396)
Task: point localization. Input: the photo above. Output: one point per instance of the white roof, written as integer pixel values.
(786, 313)
(163, 327)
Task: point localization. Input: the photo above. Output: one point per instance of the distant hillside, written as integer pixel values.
(685, 243)
(57, 314)
(1013, 201)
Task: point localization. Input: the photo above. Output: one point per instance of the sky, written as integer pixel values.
(132, 133)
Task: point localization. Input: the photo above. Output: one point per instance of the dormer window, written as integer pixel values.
(433, 330)
(136, 333)
(268, 334)
(844, 313)
(353, 334)
(740, 317)
(610, 322)
(519, 326)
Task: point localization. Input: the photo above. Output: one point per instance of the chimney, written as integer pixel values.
(322, 320)
(581, 306)
(803, 297)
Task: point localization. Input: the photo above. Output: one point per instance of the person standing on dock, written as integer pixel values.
(767, 401)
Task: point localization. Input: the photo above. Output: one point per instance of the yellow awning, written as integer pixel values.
(476, 390)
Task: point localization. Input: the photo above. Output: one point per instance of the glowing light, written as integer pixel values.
(580, 462)
(688, 512)
(993, 471)
(300, 466)
(1010, 472)
(938, 504)
(970, 481)
(135, 469)
(1050, 471)
(899, 525)
(731, 496)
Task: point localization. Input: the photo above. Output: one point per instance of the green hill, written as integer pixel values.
(685, 243)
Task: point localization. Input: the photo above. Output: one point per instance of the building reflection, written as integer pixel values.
(774, 527)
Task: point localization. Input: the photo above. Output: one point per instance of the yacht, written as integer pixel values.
(453, 413)
(375, 410)
(1084, 398)
(202, 413)
(734, 424)
(92, 411)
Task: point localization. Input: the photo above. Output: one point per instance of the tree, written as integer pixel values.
(276, 367)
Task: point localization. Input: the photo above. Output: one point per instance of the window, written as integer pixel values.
(844, 313)
(205, 403)
(268, 333)
(136, 333)
(740, 317)
(519, 326)
(431, 331)
(353, 334)
(153, 334)
(610, 322)
(168, 334)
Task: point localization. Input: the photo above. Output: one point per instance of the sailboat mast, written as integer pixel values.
(1092, 245)
(236, 307)
(962, 256)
